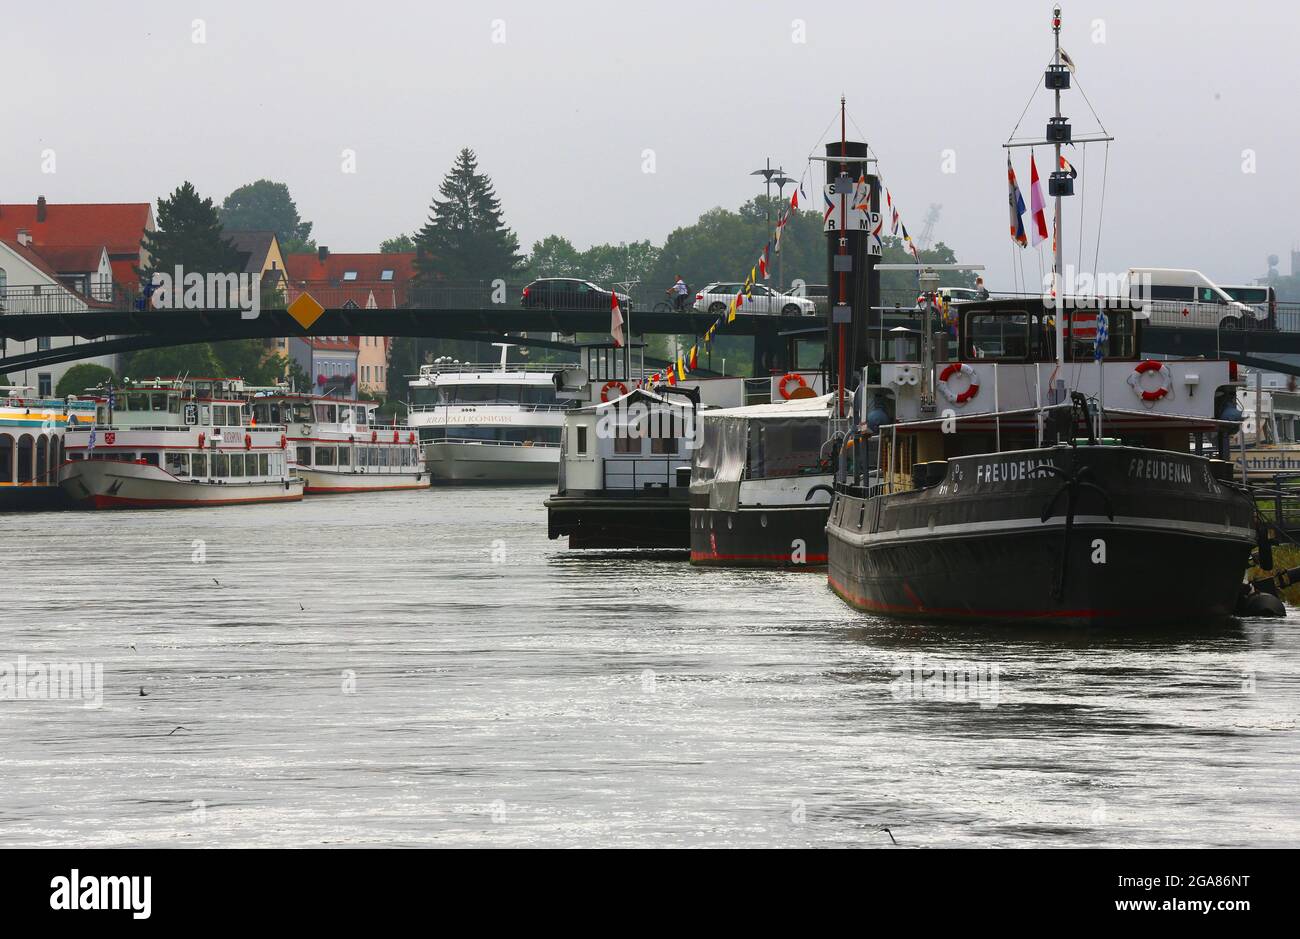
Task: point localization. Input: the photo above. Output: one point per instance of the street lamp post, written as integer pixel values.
(771, 174)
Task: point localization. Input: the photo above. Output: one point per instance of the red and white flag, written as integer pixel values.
(615, 321)
(1036, 204)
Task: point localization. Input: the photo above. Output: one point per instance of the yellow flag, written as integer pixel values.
(681, 369)
(731, 311)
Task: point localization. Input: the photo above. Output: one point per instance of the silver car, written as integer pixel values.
(762, 299)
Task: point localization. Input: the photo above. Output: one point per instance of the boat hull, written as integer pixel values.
(109, 484)
(323, 482)
(1174, 553)
(770, 536)
(613, 522)
(468, 462)
(31, 498)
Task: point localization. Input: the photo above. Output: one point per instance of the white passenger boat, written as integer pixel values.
(336, 446)
(31, 446)
(176, 443)
(488, 424)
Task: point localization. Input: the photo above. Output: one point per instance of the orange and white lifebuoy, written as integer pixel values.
(786, 379)
(1151, 367)
(952, 394)
(610, 385)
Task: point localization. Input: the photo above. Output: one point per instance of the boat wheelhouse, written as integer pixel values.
(760, 484)
(176, 443)
(488, 423)
(32, 445)
(1000, 497)
(337, 446)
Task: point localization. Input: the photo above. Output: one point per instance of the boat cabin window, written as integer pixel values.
(1003, 335)
(627, 444)
(198, 464)
(205, 415)
(581, 446)
(325, 413)
(663, 445)
(178, 464)
(220, 465)
(324, 456)
(303, 457)
(785, 447)
(236, 464)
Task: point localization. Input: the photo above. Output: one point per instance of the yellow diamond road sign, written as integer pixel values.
(305, 310)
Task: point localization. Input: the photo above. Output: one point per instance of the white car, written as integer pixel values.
(762, 299)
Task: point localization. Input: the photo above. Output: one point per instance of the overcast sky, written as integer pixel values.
(562, 111)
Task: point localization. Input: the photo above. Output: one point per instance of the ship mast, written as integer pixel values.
(1057, 230)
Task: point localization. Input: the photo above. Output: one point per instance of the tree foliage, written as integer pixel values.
(466, 237)
(398, 244)
(82, 376)
(189, 234)
(236, 358)
(267, 206)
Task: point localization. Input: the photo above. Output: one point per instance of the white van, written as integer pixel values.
(1175, 297)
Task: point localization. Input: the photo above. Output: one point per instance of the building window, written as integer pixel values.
(349, 275)
(385, 275)
(44, 383)
(42, 343)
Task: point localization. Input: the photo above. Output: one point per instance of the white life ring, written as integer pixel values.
(972, 387)
(1151, 367)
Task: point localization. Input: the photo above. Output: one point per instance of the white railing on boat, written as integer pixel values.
(524, 408)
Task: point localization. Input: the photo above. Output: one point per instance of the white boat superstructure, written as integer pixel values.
(336, 445)
(488, 423)
(31, 445)
(176, 443)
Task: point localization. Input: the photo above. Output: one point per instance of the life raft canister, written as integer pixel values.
(972, 389)
(786, 379)
(614, 383)
(1148, 367)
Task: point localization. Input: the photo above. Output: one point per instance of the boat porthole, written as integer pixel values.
(762, 520)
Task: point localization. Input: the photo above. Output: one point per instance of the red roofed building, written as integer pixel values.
(117, 227)
(363, 281)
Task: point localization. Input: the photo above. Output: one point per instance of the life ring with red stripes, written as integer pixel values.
(972, 387)
(613, 383)
(786, 379)
(1149, 367)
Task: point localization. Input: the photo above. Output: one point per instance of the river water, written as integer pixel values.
(428, 669)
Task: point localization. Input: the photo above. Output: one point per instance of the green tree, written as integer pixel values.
(554, 256)
(398, 244)
(189, 234)
(82, 376)
(267, 206)
(466, 237)
(173, 361)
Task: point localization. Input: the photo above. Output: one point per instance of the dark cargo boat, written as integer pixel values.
(1071, 513)
(760, 484)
